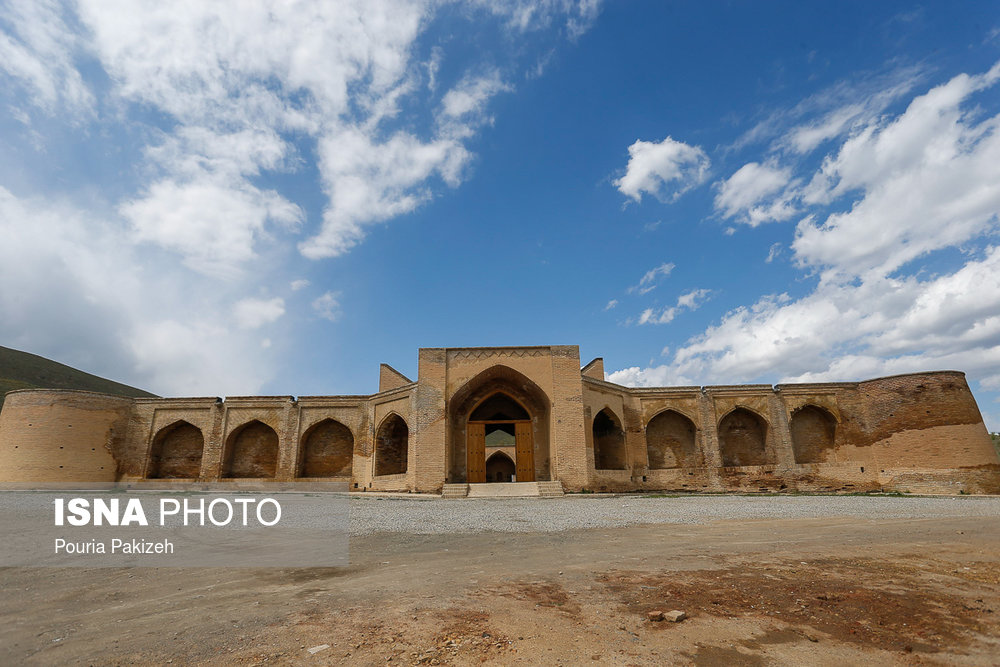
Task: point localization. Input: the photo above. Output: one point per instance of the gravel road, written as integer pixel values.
(423, 516)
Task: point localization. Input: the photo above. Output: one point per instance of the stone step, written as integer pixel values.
(550, 489)
(504, 490)
(455, 491)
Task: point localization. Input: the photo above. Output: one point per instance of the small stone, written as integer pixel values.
(654, 616)
(316, 649)
(675, 616)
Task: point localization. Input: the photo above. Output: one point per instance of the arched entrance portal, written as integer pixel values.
(498, 410)
(499, 422)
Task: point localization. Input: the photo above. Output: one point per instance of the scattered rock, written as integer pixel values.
(654, 616)
(675, 616)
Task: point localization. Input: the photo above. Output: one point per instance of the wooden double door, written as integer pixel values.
(524, 449)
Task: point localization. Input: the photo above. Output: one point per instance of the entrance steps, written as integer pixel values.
(550, 489)
(455, 491)
(503, 490)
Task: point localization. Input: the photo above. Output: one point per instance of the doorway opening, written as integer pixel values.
(499, 468)
(500, 444)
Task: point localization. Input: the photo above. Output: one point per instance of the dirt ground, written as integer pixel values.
(794, 592)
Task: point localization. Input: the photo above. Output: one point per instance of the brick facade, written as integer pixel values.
(921, 432)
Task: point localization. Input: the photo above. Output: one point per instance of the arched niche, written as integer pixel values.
(392, 442)
(743, 439)
(251, 451)
(609, 441)
(326, 450)
(671, 441)
(814, 431)
(176, 452)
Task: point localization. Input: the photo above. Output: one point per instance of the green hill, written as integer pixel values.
(21, 370)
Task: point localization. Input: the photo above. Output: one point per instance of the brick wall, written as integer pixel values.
(921, 432)
(61, 436)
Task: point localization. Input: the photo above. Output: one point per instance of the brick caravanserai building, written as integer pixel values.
(521, 414)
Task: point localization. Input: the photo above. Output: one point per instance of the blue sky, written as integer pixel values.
(274, 198)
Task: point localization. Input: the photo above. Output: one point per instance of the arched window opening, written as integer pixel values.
(814, 431)
(609, 442)
(391, 445)
(743, 438)
(176, 452)
(671, 442)
(327, 450)
(252, 451)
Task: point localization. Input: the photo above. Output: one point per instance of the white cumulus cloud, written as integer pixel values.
(237, 88)
(757, 193)
(928, 180)
(39, 54)
(251, 313)
(896, 190)
(129, 315)
(665, 170)
(202, 110)
(688, 301)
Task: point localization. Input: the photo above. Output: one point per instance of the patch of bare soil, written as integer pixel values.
(817, 592)
(909, 606)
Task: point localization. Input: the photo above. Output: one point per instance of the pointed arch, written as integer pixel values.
(743, 438)
(251, 451)
(327, 450)
(392, 442)
(814, 431)
(176, 452)
(671, 441)
(496, 384)
(503, 379)
(609, 441)
(497, 406)
(500, 468)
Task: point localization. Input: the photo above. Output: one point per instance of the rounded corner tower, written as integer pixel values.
(59, 435)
